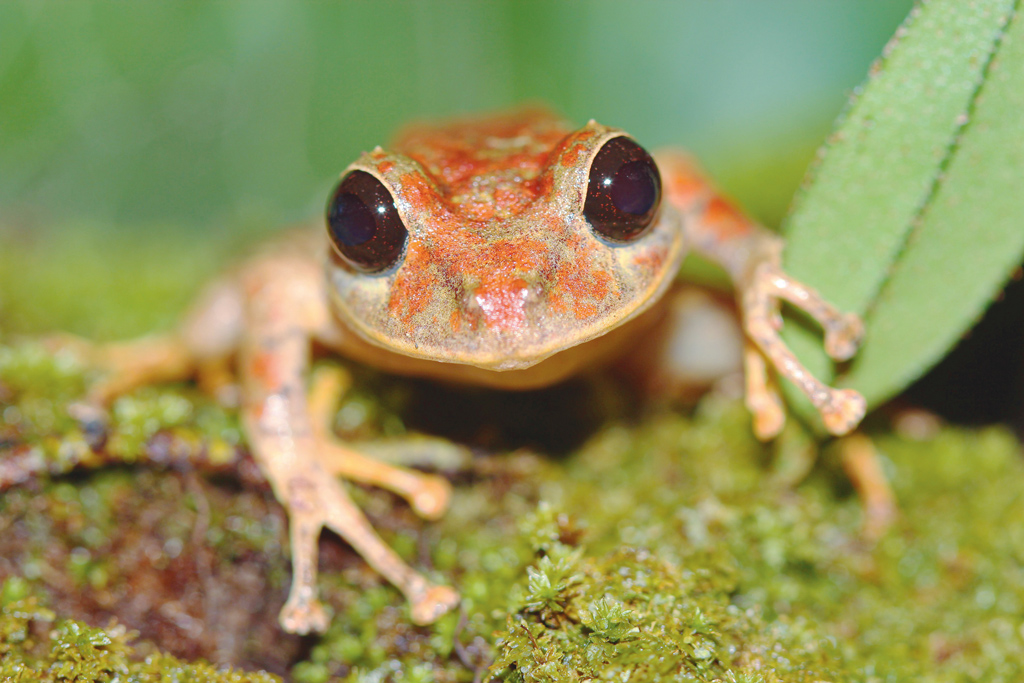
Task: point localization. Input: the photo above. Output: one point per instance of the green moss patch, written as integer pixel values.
(672, 547)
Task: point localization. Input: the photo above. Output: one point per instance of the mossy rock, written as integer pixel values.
(664, 548)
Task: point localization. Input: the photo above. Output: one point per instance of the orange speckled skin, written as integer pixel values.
(501, 270)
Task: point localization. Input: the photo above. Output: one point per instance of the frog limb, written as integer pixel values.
(863, 466)
(203, 344)
(840, 409)
(428, 494)
(752, 255)
(762, 394)
(216, 377)
(127, 365)
(283, 315)
(843, 332)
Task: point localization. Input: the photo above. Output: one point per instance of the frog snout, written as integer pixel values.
(502, 303)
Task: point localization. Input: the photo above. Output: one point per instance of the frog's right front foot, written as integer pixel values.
(314, 500)
(302, 460)
(431, 602)
(427, 494)
(303, 614)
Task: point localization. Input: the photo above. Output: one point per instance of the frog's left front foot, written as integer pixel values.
(840, 409)
(863, 465)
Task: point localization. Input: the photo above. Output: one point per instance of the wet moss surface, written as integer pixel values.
(665, 549)
(589, 538)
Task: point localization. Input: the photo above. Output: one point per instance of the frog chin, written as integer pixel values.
(500, 351)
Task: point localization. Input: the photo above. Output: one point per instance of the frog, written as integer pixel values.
(511, 251)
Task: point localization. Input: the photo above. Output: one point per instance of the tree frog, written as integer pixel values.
(509, 251)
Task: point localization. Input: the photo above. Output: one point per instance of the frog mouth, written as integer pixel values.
(498, 350)
(507, 328)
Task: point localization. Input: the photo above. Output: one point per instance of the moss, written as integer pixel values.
(72, 651)
(632, 615)
(663, 544)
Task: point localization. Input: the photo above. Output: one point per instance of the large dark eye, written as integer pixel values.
(623, 192)
(363, 223)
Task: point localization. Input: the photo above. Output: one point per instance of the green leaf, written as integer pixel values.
(913, 215)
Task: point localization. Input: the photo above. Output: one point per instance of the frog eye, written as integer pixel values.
(363, 223)
(623, 192)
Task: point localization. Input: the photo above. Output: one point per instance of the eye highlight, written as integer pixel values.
(364, 225)
(623, 192)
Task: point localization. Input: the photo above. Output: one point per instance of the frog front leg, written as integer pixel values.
(285, 310)
(752, 257)
(427, 494)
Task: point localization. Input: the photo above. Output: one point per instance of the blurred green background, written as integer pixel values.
(219, 114)
(145, 145)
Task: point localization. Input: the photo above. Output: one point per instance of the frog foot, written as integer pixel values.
(863, 465)
(431, 496)
(840, 409)
(428, 494)
(303, 614)
(433, 602)
(843, 334)
(316, 500)
(844, 411)
(762, 395)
